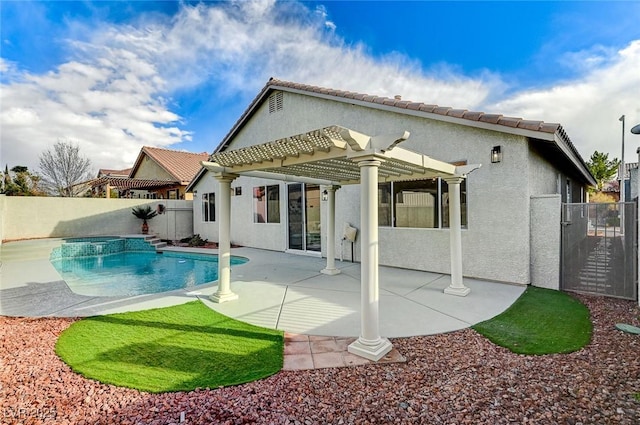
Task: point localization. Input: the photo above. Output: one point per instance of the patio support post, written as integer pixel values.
(455, 238)
(369, 345)
(224, 294)
(331, 269)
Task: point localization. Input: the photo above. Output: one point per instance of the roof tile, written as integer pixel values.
(441, 110)
(490, 118)
(427, 108)
(509, 121)
(530, 125)
(472, 115)
(458, 113)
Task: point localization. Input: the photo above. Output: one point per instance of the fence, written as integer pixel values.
(599, 253)
(23, 217)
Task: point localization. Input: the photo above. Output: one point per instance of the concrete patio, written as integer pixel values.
(276, 290)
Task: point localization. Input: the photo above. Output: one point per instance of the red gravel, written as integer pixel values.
(455, 378)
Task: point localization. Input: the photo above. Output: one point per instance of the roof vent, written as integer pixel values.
(275, 102)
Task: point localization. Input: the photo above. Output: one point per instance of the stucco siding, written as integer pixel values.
(496, 242)
(149, 169)
(543, 176)
(244, 231)
(42, 217)
(545, 241)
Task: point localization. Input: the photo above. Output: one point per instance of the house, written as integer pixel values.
(426, 187)
(156, 174)
(521, 161)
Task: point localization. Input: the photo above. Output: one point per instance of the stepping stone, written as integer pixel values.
(628, 328)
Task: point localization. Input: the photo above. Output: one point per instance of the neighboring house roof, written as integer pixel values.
(183, 166)
(538, 130)
(114, 173)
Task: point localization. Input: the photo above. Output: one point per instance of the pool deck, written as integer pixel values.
(276, 290)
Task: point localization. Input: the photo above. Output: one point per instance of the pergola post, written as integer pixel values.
(331, 269)
(369, 345)
(455, 238)
(224, 294)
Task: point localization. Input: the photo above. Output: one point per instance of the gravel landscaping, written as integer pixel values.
(454, 378)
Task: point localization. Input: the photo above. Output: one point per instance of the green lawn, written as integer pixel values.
(541, 321)
(171, 349)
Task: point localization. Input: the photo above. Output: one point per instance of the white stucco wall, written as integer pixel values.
(496, 243)
(244, 231)
(27, 217)
(545, 241)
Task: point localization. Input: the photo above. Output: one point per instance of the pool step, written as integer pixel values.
(156, 242)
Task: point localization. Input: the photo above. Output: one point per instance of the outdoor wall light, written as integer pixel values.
(496, 154)
(325, 195)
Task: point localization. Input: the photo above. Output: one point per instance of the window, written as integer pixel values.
(266, 204)
(209, 207)
(419, 203)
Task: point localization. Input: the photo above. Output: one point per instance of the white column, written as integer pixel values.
(455, 239)
(224, 294)
(331, 232)
(369, 345)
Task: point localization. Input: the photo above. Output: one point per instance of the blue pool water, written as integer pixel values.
(135, 273)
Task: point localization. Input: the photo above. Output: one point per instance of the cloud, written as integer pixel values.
(121, 86)
(110, 106)
(114, 94)
(589, 106)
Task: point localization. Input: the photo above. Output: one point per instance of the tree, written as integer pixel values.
(23, 183)
(602, 168)
(63, 168)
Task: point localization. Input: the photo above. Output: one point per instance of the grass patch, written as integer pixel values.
(541, 321)
(177, 348)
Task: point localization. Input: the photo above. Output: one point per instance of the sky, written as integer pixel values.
(112, 77)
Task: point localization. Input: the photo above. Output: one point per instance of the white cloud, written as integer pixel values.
(589, 107)
(114, 94)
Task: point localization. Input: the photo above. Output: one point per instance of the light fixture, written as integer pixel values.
(325, 195)
(496, 154)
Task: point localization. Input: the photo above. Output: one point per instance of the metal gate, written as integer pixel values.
(599, 249)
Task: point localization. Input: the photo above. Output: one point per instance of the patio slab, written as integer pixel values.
(276, 290)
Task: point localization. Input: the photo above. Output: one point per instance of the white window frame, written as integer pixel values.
(206, 207)
(439, 207)
(265, 191)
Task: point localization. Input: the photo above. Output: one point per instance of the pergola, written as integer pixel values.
(340, 156)
(127, 183)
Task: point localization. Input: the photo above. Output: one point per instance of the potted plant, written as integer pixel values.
(144, 213)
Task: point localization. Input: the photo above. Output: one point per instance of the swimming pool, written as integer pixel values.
(135, 273)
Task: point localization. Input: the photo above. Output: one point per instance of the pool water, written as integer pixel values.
(135, 273)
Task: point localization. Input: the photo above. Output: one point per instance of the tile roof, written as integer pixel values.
(183, 166)
(107, 172)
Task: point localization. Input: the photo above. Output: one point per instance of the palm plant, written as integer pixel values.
(144, 213)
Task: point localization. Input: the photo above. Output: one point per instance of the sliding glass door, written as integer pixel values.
(304, 217)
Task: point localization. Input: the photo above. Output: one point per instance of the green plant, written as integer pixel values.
(541, 321)
(196, 240)
(177, 348)
(144, 213)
